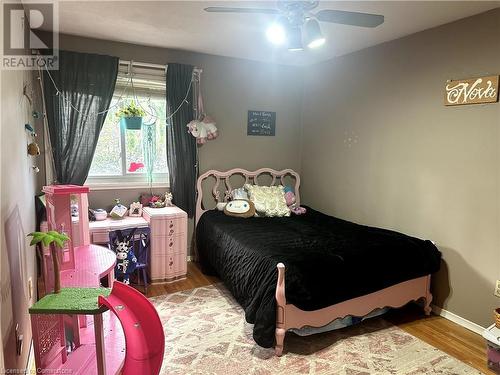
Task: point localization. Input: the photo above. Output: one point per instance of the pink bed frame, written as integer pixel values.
(289, 316)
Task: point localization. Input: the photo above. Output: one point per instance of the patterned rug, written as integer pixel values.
(206, 333)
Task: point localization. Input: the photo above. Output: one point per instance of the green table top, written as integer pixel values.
(81, 301)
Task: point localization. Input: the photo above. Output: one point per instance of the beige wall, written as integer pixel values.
(231, 87)
(380, 148)
(17, 217)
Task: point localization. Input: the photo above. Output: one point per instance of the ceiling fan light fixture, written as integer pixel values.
(295, 39)
(313, 35)
(276, 34)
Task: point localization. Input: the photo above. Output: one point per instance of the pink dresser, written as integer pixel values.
(168, 257)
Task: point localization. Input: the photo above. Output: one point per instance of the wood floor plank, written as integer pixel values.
(437, 331)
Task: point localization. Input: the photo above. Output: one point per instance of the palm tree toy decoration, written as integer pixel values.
(54, 240)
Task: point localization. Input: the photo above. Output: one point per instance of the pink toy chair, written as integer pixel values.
(144, 337)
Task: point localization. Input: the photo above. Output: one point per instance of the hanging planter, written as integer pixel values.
(131, 123)
(131, 116)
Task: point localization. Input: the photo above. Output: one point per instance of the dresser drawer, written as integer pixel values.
(180, 263)
(168, 227)
(166, 245)
(165, 268)
(99, 237)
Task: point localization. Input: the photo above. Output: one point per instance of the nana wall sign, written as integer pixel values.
(471, 91)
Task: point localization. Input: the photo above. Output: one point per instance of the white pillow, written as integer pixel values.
(268, 200)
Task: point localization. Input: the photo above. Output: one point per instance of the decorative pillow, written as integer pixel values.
(240, 193)
(268, 200)
(240, 208)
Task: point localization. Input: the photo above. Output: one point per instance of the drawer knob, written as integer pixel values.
(171, 244)
(171, 225)
(171, 231)
(171, 263)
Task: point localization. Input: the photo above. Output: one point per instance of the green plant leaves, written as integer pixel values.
(46, 238)
(132, 110)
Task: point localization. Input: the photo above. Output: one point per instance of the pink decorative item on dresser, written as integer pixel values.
(168, 257)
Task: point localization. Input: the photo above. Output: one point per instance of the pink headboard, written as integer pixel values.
(249, 176)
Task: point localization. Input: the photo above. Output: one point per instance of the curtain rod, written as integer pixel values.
(154, 66)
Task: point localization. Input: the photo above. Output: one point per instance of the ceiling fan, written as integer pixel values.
(293, 16)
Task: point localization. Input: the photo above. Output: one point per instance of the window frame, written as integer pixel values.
(127, 180)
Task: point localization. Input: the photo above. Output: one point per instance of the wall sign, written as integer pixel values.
(471, 91)
(261, 123)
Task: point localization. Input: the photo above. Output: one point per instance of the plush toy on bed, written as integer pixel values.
(126, 260)
(291, 202)
(240, 208)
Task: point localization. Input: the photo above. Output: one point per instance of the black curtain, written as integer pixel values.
(86, 83)
(181, 146)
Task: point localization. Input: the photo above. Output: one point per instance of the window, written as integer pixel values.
(119, 155)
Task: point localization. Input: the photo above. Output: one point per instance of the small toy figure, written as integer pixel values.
(126, 260)
(168, 199)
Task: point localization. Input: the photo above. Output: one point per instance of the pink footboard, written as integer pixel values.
(289, 316)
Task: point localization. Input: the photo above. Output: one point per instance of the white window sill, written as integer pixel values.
(124, 185)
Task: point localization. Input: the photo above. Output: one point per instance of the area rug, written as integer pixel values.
(206, 333)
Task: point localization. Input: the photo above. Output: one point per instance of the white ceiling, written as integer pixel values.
(185, 25)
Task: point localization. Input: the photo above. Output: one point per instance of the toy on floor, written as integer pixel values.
(291, 202)
(126, 260)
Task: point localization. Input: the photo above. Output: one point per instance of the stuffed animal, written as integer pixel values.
(291, 202)
(168, 199)
(240, 208)
(203, 130)
(126, 260)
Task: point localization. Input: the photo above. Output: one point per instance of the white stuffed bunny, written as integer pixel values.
(203, 130)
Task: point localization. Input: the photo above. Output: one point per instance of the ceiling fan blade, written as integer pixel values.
(241, 10)
(350, 18)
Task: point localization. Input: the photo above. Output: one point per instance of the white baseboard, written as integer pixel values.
(471, 326)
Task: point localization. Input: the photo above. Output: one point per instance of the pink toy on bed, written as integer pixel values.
(291, 202)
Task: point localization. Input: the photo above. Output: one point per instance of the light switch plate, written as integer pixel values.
(497, 289)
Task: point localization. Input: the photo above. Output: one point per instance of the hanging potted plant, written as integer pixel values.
(131, 116)
(54, 240)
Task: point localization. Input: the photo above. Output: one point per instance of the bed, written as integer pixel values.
(334, 268)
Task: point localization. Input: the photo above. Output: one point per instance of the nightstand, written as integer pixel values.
(168, 248)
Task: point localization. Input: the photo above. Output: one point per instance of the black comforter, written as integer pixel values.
(327, 260)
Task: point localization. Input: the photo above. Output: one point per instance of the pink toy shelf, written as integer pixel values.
(59, 200)
(83, 265)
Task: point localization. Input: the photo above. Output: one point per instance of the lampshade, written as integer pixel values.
(313, 36)
(295, 39)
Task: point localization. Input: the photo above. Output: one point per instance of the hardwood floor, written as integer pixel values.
(435, 330)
